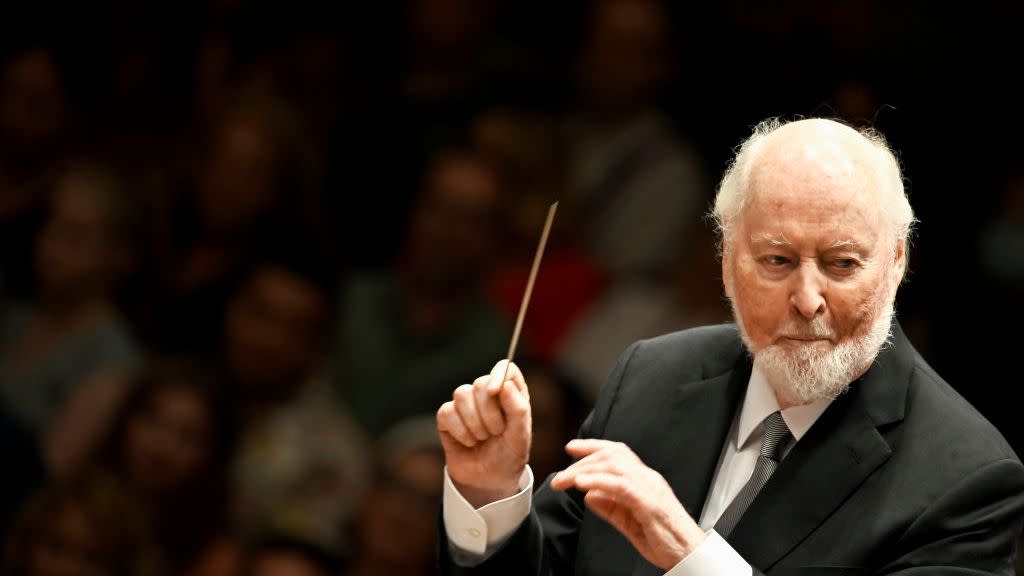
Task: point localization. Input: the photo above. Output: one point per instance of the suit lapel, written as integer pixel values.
(701, 415)
(838, 453)
(821, 471)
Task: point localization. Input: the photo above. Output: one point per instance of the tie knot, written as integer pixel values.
(776, 434)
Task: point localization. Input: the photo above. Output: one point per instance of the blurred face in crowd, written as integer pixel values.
(623, 62)
(813, 264)
(284, 563)
(70, 546)
(551, 429)
(167, 441)
(405, 502)
(274, 333)
(239, 181)
(447, 27)
(31, 99)
(77, 252)
(453, 227)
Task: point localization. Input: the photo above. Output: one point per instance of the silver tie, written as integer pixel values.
(776, 436)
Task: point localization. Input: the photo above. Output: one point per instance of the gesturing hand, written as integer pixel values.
(486, 431)
(633, 498)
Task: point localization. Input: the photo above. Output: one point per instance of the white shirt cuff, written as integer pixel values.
(714, 556)
(474, 535)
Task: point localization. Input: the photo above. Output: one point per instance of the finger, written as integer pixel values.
(582, 447)
(514, 374)
(612, 485)
(465, 405)
(449, 422)
(516, 407)
(597, 463)
(488, 407)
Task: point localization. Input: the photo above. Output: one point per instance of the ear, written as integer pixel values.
(899, 263)
(727, 276)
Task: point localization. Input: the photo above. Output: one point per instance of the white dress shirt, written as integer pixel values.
(475, 534)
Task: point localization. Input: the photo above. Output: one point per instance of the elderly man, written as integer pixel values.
(809, 438)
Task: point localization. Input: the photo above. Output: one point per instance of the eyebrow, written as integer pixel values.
(845, 243)
(773, 239)
(780, 240)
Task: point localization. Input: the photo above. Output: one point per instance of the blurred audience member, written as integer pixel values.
(396, 530)
(33, 126)
(558, 411)
(639, 185)
(82, 525)
(528, 150)
(169, 446)
(302, 465)
(635, 309)
(245, 183)
(407, 334)
(71, 344)
(275, 556)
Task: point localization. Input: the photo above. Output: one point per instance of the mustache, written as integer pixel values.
(809, 331)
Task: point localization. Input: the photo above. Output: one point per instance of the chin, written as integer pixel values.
(803, 371)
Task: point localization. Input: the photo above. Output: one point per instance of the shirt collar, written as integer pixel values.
(760, 401)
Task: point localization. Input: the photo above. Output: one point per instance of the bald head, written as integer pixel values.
(814, 160)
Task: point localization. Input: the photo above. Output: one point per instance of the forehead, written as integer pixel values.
(817, 189)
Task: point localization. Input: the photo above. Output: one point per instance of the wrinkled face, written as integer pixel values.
(167, 441)
(812, 266)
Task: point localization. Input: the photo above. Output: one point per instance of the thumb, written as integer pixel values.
(516, 406)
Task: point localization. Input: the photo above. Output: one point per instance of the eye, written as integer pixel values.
(844, 263)
(844, 266)
(775, 261)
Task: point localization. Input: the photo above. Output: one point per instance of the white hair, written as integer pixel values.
(731, 197)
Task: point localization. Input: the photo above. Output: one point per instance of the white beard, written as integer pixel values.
(804, 373)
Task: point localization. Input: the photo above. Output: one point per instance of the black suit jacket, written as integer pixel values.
(900, 475)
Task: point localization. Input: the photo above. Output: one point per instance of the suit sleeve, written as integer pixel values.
(545, 543)
(971, 529)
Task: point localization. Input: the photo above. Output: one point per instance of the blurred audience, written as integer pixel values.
(529, 151)
(277, 556)
(627, 165)
(244, 183)
(405, 500)
(169, 446)
(33, 140)
(64, 357)
(638, 308)
(302, 465)
(83, 525)
(408, 333)
(558, 409)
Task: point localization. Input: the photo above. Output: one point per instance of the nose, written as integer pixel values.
(808, 292)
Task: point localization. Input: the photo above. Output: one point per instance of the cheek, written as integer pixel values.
(854, 308)
(764, 306)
